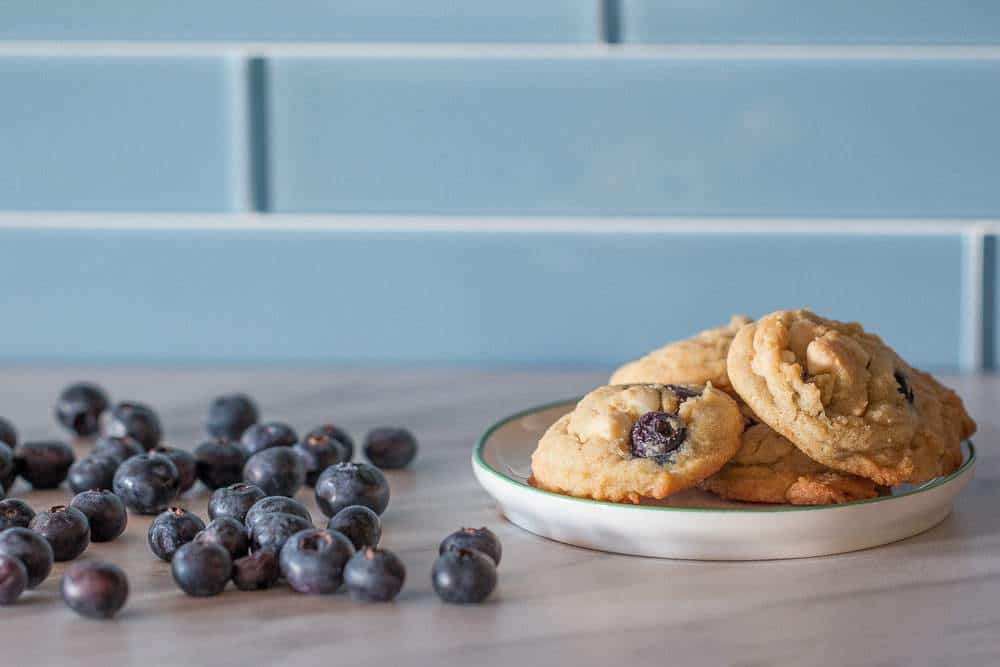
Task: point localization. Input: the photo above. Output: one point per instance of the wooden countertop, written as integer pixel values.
(932, 599)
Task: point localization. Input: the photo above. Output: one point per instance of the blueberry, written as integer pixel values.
(230, 415)
(463, 576)
(96, 471)
(228, 533)
(319, 452)
(45, 464)
(390, 447)
(257, 571)
(201, 568)
(274, 505)
(147, 483)
(15, 513)
(234, 501)
(8, 434)
(657, 435)
(481, 539)
(185, 463)
(312, 561)
(119, 448)
(374, 575)
(219, 463)
(13, 579)
(278, 471)
(94, 589)
(263, 436)
(66, 529)
(136, 420)
(347, 484)
(171, 530)
(104, 511)
(271, 531)
(8, 467)
(31, 549)
(359, 524)
(80, 406)
(334, 432)
(904, 386)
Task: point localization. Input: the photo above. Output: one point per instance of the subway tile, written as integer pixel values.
(118, 134)
(810, 21)
(453, 297)
(310, 20)
(636, 136)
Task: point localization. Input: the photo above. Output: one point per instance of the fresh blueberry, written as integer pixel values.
(359, 524)
(185, 463)
(8, 467)
(657, 435)
(13, 579)
(94, 589)
(171, 530)
(390, 448)
(319, 452)
(374, 575)
(201, 568)
(15, 513)
(312, 561)
(228, 533)
(147, 483)
(278, 471)
(274, 505)
(272, 530)
(334, 432)
(263, 436)
(136, 420)
(80, 407)
(66, 529)
(347, 484)
(96, 471)
(463, 576)
(44, 464)
(234, 501)
(8, 434)
(105, 512)
(256, 572)
(219, 463)
(119, 448)
(481, 539)
(230, 415)
(31, 549)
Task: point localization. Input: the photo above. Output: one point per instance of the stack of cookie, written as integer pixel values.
(793, 408)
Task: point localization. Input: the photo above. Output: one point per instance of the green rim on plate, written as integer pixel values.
(480, 462)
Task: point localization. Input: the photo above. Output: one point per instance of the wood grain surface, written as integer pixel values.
(933, 599)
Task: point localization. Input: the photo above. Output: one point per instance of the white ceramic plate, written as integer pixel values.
(695, 524)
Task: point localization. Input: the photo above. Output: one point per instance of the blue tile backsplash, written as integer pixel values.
(810, 21)
(636, 136)
(492, 182)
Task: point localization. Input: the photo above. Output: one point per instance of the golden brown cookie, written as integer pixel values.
(846, 399)
(770, 469)
(624, 443)
(695, 360)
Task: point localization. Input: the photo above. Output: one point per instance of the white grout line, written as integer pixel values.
(499, 50)
(972, 356)
(481, 224)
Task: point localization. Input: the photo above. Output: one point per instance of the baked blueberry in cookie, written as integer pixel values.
(625, 443)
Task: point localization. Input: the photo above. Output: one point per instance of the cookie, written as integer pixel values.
(625, 443)
(770, 469)
(696, 360)
(847, 399)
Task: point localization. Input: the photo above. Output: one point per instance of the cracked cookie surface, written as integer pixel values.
(625, 443)
(847, 399)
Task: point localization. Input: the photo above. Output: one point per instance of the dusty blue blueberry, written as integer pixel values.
(96, 471)
(201, 568)
(259, 437)
(481, 539)
(347, 484)
(13, 579)
(31, 549)
(271, 531)
(273, 505)
(94, 589)
(374, 575)
(44, 464)
(184, 461)
(171, 530)
(319, 452)
(234, 501)
(80, 406)
(312, 561)
(65, 528)
(278, 471)
(390, 447)
(147, 483)
(228, 533)
(359, 524)
(219, 463)
(334, 432)
(105, 512)
(136, 420)
(463, 576)
(256, 572)
(15, 513)
(230, 415)
(118, 448)
(657, 435)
